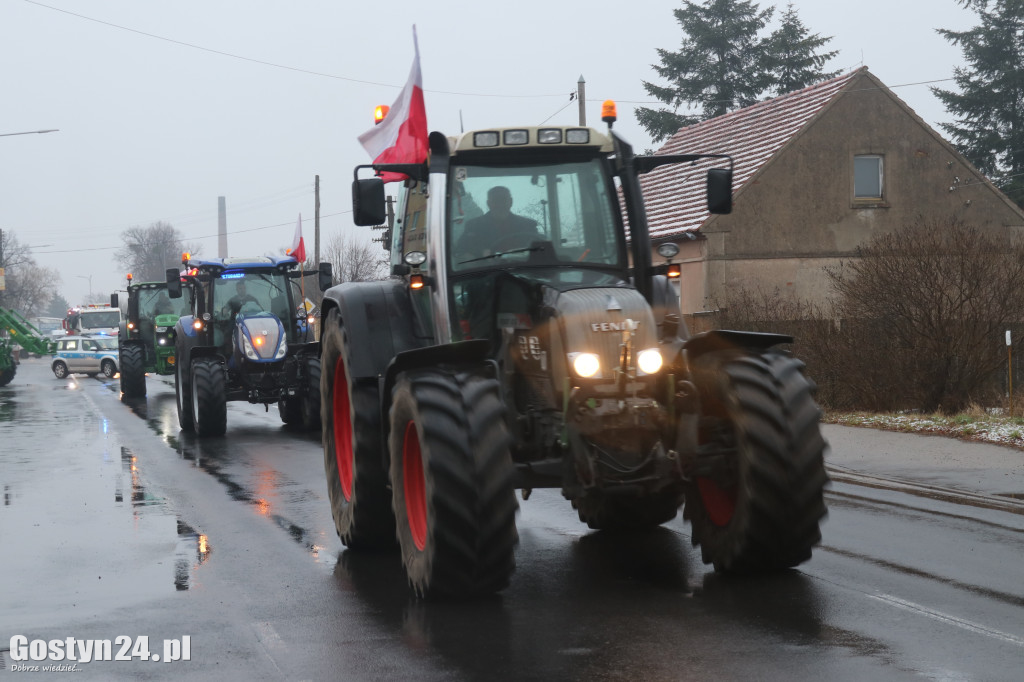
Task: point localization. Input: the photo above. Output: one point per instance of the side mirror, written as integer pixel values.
(720, 190)
(113, 301)
(325, 277)
(368, 206)
(173, 283)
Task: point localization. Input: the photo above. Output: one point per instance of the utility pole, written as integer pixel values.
(222, 228)
(316, 227)
(581, 97)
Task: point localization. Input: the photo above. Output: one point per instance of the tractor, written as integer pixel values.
(547, 350)
(247, 337)
(146, 336)
(23, 333)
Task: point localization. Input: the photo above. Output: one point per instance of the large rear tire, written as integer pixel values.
(133, 371)
(357, 482)
(763, 513)
(452, 483)
(209, 400)
(183, 391)
(7, 375)
(610, 512)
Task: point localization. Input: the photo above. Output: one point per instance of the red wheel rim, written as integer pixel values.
(343, 429)
(415, 486)
(718, 503)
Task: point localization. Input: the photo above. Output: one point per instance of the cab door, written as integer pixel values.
(89, 357)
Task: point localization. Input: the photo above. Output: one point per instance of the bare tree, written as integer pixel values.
(149, 251)
(29, 286)
(929, 304)
(355, 260)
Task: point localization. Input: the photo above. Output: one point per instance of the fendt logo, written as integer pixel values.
(624, 326)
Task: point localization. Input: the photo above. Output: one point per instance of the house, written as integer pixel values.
(817, 172)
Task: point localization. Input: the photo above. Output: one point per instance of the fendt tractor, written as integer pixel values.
(26, 336)
(527, 340)
(247, 337)
(146, 337)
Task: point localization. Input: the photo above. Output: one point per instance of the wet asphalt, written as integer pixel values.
(114, 523)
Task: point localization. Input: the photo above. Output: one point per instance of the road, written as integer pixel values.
(114, 523)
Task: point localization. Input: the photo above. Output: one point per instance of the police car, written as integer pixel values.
(90, 355)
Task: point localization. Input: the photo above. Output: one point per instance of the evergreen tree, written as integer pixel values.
(989, 107)
(724, 63)
(719, 68)
(793, 55)
(58, 307)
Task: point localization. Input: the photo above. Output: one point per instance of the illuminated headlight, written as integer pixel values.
(586, 365)
(649, 361)
(247, 348)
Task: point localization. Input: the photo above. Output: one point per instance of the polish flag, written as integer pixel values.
(298, 250)
(402, 136)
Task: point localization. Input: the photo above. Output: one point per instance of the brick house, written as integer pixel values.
(817, 173)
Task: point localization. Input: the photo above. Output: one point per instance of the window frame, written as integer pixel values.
(869, 200)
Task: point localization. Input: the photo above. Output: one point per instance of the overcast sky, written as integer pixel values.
(164, 107)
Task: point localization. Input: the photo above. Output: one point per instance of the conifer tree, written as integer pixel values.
(725, 63)
(989, 104)
(794, 57)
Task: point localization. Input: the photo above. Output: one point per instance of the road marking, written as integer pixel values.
(946, 618)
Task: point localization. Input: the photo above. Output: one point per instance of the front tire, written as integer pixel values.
(7, 375)
(357, 482)
(183, 392)
(109, 369)
(60, 370)
(133, 372)
(764, 513)
(452, 483)
(209, 400)
(310, 400)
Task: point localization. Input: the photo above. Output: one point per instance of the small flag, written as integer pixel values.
(298, 250)
(402, 136)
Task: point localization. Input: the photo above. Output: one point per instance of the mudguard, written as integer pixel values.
(380, 315)
(724, 339)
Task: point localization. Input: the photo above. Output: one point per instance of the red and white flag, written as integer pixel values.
(402, 136)
(298, 250)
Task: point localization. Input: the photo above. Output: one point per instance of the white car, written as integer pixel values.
(90, 355)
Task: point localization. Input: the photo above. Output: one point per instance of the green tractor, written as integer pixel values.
(146, 335)
(22, 333)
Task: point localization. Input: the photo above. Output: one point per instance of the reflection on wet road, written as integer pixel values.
(75, 495)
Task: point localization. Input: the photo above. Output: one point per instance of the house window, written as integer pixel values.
(867, 177)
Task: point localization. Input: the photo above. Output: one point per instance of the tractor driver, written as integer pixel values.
(240, 298)
(497, 230)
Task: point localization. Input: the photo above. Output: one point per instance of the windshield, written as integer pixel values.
(542, 214)
(100, 319)
(155, 301)
(107, 343)
(253, 292)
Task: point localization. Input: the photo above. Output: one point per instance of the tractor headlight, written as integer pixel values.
(247, 348)
(649, 361)
(586, 365)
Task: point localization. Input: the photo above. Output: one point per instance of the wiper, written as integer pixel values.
(499, 254)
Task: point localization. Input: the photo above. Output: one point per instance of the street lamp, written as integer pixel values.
(32, 132)
(90, 284)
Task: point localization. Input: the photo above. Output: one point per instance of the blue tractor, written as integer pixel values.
(248, 337)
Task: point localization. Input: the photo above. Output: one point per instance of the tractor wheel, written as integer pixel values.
(133, 372)
(7, 375)
(610, 512)
(452, 483)
(760, 509)
(108, 368)
(60, 370)
(357, 482)
(290, 409)
(310, 396)
(209, 398)
(183, 392)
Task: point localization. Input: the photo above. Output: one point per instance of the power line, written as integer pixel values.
(185, 239)
(273, 64)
